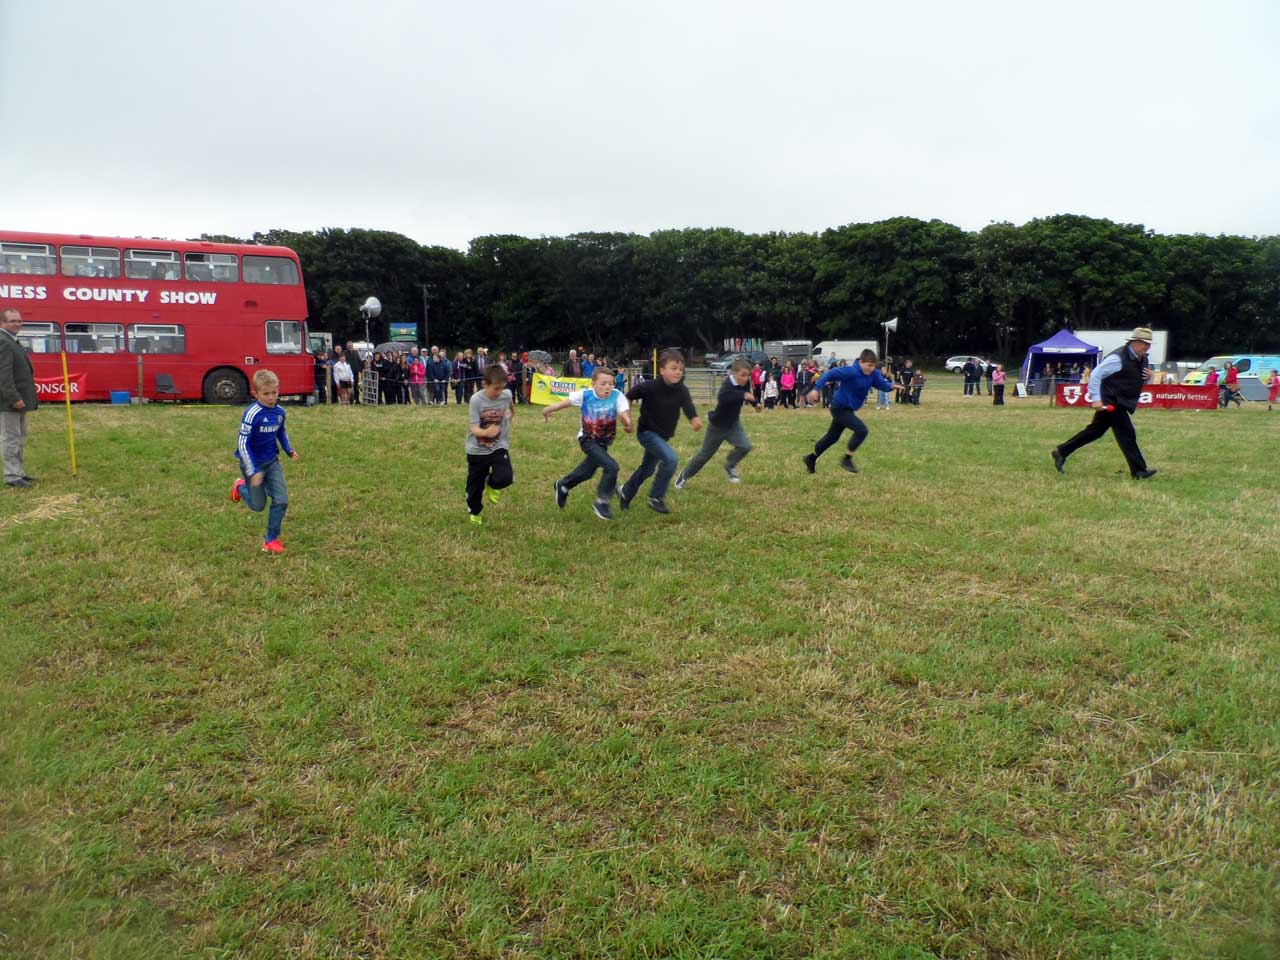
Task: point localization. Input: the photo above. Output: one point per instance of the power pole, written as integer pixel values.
(426, 316)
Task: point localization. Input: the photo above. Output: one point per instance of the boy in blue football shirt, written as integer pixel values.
(261, 429)
(852, 384)
(602, 406)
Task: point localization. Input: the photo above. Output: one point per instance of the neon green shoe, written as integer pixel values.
(493, 496)
(476, 519)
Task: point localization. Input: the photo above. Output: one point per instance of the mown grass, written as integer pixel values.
(955, 706)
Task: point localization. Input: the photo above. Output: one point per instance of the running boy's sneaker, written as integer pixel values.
(235, 489)
(732, 474)
(623, 500)
(273, 546)
(811, 462)
(658, 506)
(493, 496)
(562, 494)
(848, 464)
(680, 481)
(476, 519)
(601, 509)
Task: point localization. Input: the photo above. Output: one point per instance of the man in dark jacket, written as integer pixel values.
(572, 366)
(1114, 388)
(17, 398)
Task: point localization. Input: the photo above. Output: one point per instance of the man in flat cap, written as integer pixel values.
(1114, 387)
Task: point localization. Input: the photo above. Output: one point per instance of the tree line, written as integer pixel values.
(990, 292)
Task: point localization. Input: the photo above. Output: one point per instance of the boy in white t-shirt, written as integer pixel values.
(602, 406)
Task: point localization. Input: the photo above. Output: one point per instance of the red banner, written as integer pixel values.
(1167, 396)
(50, 388)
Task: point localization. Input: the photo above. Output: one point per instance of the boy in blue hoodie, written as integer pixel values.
(261, 429)
(852, 384)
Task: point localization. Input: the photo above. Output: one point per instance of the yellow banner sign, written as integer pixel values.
(548, 390)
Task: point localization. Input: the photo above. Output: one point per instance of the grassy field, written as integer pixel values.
(955, 706)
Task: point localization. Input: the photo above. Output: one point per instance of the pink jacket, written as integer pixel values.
(788, 380)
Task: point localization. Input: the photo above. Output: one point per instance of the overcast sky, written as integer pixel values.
(451, 121)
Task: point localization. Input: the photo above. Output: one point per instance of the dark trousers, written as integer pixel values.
(969, 385)
(1121, 427)
(999, 400)
(842, 419)
(989, 386)
(596, 458)
(491, 468)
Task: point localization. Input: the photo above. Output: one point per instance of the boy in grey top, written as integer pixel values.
(488, 445)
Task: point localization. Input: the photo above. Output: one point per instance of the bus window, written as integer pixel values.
(95, 337)
(151, 265)
(90, 262)
(283, 336)
(28, 259)
(1243, 364)
(212, 267)
(40, 337)
(280, 270)
(157, 338)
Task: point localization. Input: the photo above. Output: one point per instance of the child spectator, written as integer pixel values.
(488, 443)
(261, 429)
(1273, 393)
(787, 386)
(602, 406)
(343, 377)
(770, 393)
(662, 401)
(882, 396)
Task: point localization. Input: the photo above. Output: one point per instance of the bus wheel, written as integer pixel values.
(225, 385)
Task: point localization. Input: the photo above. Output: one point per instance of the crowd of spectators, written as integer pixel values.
(414, 376)
(419, 376)
(783, 384)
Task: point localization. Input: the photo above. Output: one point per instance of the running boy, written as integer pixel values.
(602, 407)
(663, 398)
(488, 442)
(852, 384)
(725, 423)
(261, 428)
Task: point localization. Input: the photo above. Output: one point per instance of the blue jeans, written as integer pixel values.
(658, 456)
(255, 498)
(842, 419)
(596, 458)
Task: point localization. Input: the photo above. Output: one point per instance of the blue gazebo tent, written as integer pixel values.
(1063, 347)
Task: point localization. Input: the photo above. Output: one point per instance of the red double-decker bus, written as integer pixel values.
(161, 318)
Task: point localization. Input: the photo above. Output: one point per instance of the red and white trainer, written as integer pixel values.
(235, 489)
(273, 546)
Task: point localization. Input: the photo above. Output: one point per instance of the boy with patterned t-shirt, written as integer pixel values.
(602, 407)
(488, 441)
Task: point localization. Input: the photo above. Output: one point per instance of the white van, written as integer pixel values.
(1255, 371)
(846, 350)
